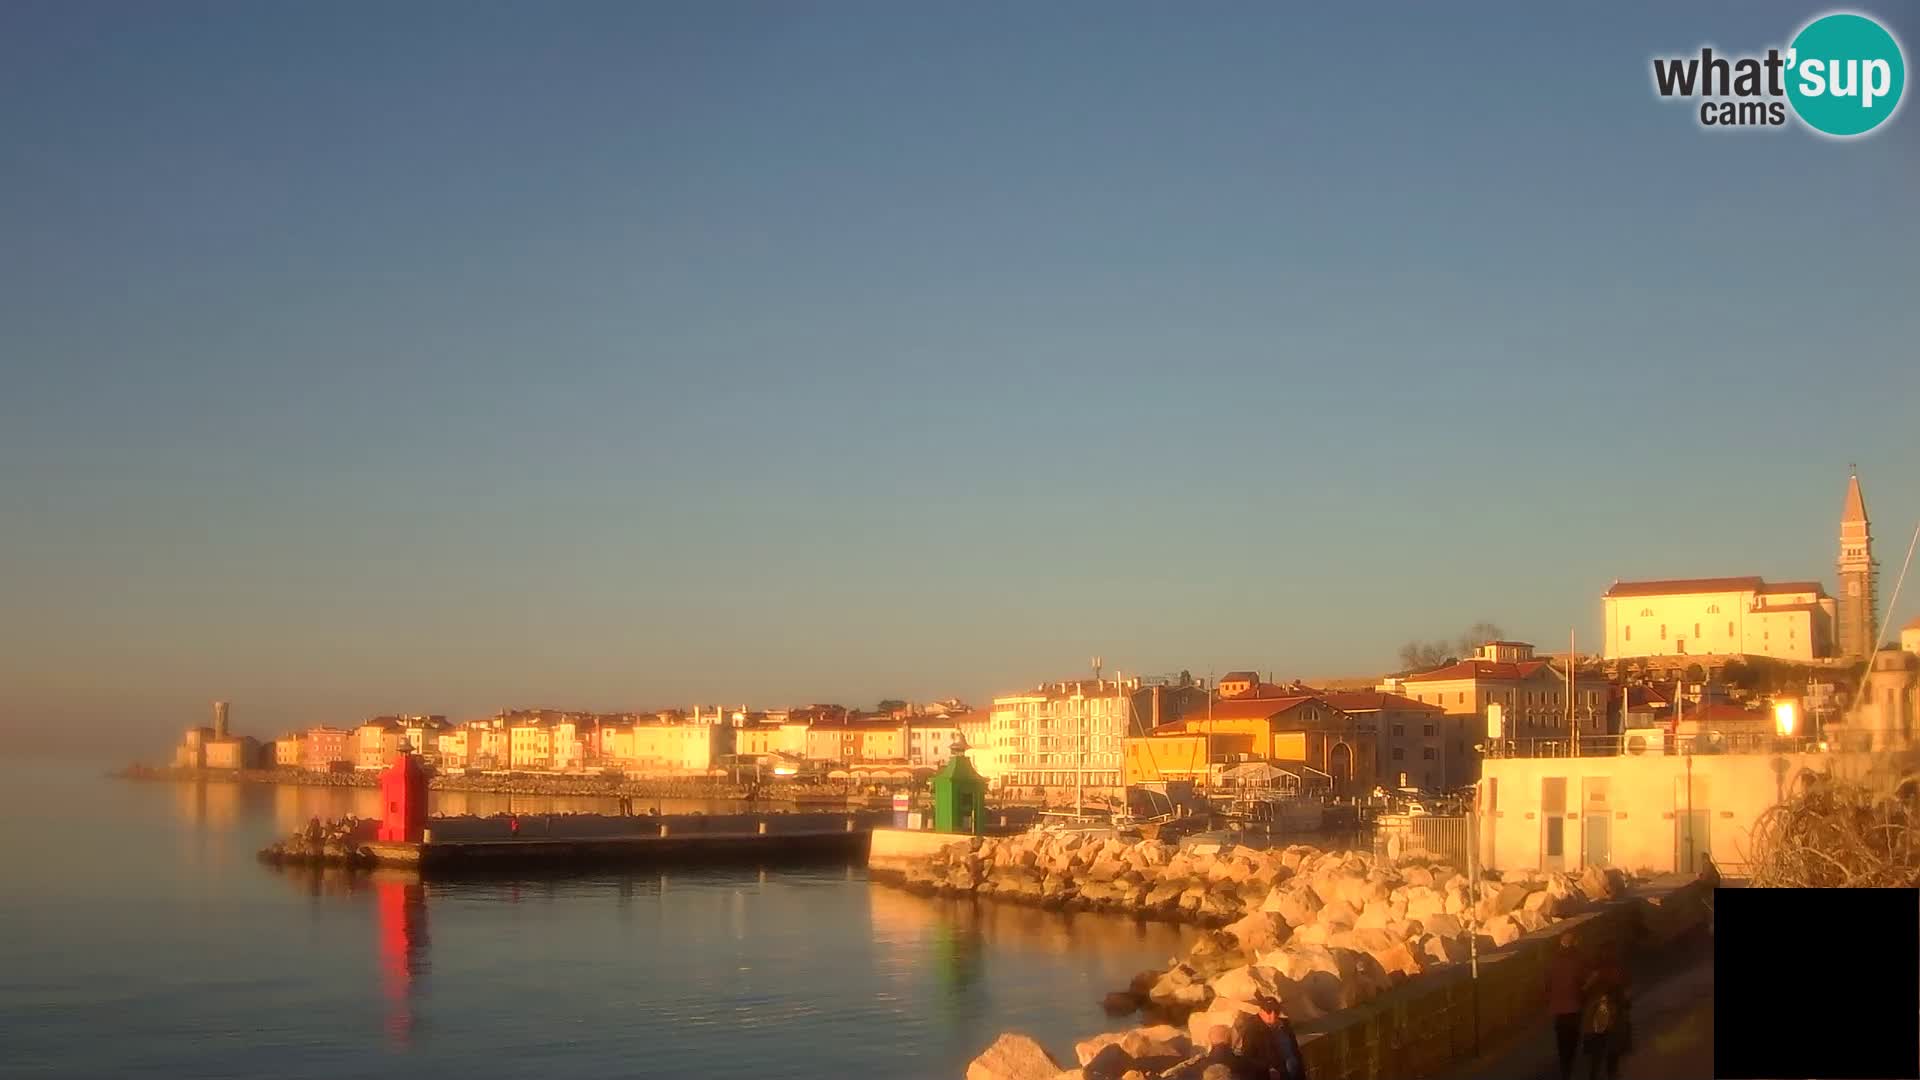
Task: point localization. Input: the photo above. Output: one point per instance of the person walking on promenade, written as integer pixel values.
(1272, 1046)
(1566, 999)
(513, 825)
(1607, 1022)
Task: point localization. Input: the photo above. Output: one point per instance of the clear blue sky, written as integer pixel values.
(448, 356)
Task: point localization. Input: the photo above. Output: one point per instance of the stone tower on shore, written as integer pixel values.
(1859, 577)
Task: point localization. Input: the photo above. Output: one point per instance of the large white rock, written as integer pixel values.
(1339, 915)
(1295, 903)
(1443, 950)
(1086, 1048)
(1423, 901)
(1014, 1056)
(1501, 929)
(1445, 926)
(1244, 983)
(1259, 931)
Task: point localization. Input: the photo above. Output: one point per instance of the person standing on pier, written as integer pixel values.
(1566, 998)
(513, 825)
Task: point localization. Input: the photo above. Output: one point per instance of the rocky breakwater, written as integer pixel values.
(1322, 931)
(337, 841)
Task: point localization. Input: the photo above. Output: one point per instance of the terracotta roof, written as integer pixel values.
(1240, 676)
(1685, 585)
(1490, 670)
(1371, 700)
(1795, 586)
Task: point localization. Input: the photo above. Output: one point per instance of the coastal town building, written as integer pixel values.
(1858, 613)
(1718, 617)
(322, 747)
(192, 751)
(1420, 745)
(850, 740)
(929, 741)
(659, 748)
(1883, 717)
(529, 743)
(977, 729)
(287, 750)
(1303, 731)
(376, 741)
(1063, 736)
(1531, 694)
(234, 752)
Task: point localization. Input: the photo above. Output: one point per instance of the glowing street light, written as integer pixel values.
(1786, 717)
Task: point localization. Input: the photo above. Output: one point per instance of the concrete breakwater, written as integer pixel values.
(559, 843)
(1365, 953)
(518, 784)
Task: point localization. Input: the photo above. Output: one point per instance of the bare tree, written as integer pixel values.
(1477, 635)
(1422, 655)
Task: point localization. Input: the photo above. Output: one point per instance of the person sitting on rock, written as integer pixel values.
(1222, 1061)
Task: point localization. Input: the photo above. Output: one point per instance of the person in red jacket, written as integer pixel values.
(1567, 976)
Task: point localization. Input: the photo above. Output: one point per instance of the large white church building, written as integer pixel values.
(1746, 616)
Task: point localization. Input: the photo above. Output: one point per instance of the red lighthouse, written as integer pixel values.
(403, 799)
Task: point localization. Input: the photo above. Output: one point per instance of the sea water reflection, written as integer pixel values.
(789, 972)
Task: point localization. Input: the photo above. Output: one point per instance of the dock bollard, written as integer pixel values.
(849, 824)
(663, 830)
(763, 828)
(426, 836)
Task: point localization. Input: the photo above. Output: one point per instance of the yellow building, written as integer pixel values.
(232, 752)
(656, 748)
(286, 751)
(1733, 616)
(376, 741)
(1301, 730)
(450, 746)
(1910, 636)
(529, 744)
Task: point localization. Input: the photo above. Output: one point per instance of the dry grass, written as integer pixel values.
(1834, 834)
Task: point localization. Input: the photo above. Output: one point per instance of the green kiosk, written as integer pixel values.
(959, 795)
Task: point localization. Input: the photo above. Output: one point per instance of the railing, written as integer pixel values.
(1652, 745)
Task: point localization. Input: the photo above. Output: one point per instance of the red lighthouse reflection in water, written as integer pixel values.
(403, 950)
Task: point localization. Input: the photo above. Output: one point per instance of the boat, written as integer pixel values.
(1272, 813)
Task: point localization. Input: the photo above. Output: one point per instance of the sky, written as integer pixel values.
(445, 357)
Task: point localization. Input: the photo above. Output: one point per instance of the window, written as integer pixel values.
(1427, 754)
(1713, 609)
(1430, 730)
(1646, 613)
(1729, 628)
(1399, 754)
(1663, 631)
(1460, 698)
(1629, 633)
(1399, 729)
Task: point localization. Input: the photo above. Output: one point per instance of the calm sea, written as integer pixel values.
(138, 936)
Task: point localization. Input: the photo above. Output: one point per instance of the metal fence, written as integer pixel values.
(1445, 839)
(1651, 745)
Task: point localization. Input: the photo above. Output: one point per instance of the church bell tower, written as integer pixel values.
(1859, 576)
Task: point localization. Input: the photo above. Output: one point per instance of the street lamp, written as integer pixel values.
(1786, 717)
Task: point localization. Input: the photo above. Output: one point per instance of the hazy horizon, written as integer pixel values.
(445, 358)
